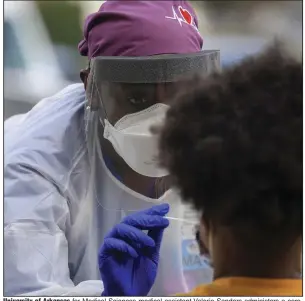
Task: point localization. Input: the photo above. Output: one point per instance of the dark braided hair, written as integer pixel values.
(233, 145)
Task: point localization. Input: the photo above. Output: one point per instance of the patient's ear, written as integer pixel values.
(202, 237)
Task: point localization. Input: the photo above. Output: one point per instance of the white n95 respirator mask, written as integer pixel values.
(132, 139)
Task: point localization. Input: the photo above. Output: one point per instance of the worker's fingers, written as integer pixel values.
(114, 246)
(146, 222)
(161, 210)
(156, 235)
(131, 235)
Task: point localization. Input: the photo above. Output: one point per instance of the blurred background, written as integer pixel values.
(41, 37)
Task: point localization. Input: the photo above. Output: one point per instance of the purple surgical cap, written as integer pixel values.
(141, 28)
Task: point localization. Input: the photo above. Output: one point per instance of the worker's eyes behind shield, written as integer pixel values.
(120, 99)
(137, 101)
(140, 96)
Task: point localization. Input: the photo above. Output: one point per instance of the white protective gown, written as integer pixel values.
(60, 200)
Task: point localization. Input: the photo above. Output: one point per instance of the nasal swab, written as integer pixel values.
(182, 220)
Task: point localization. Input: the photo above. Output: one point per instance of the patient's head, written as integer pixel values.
(233, 145)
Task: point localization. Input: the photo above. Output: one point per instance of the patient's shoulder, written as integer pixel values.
(201, 290)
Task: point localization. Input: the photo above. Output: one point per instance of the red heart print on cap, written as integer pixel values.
(188, 18)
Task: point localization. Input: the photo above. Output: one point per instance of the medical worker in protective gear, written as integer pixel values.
(83, 159)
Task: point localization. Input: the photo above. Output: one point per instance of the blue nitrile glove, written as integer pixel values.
(128, 259)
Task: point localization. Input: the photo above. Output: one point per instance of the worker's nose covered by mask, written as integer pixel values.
(132, 139)
(132, 94)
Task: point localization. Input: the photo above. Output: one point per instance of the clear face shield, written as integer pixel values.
(125, 98)
(130, 95)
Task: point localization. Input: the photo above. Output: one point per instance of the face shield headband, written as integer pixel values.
(154, 69)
